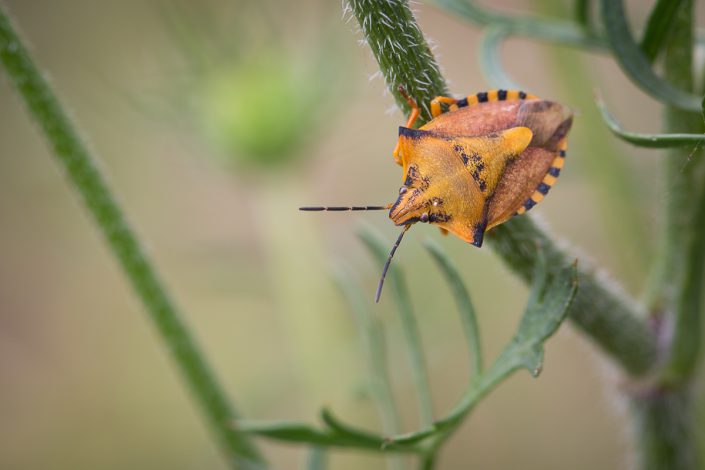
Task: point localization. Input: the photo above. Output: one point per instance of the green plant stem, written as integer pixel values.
(665, 426)
(599, 310)
(391, 31)
(685, 176)
(73, 156)
(665, 432)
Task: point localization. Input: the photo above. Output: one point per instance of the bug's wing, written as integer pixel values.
(486, 158)
(520, 181)
(529, 177)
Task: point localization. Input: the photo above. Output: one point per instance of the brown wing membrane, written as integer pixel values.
(529, 176)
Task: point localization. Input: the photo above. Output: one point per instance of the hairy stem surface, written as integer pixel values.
(666, 418)
(603, 314)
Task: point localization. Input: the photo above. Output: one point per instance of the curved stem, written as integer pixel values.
(599, 310)
(536, 27)
(74, 157)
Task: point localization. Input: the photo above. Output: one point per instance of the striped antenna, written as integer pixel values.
(389, 261)
(343, 209)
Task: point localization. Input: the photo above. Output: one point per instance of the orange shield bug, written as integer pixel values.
(481, 160)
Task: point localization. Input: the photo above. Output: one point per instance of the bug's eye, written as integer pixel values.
(424, 217)
(403, 189)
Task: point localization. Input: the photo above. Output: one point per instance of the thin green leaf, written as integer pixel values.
(291, 432)
(636, 65)
(345, 430)
(542, 317)
(301, 433)
(317, 458)
(378, 248)
(655, 141)
(373, 346)
(545, 29)
(463, 301)
(658, 26)
(414, 437)
(546, 310)
(491, 58)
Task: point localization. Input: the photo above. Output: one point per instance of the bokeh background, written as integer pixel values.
(214, 121)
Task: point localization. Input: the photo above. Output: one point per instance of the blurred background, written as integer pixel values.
(214, 121)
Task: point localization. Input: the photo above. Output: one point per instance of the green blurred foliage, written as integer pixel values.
(260, 112)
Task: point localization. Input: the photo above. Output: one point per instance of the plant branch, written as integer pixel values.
(599, 310)
(537, 27)
(685, 173)
(665, 424)
(74, 157)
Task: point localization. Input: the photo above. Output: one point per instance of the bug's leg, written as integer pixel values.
(436, 105)
(409, 122)
(414, 108)
(443, 231)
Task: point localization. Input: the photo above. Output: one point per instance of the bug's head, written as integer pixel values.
(433, 176)
(416, 202)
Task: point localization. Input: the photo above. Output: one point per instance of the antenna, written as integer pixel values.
(389, 260)
(343, 209)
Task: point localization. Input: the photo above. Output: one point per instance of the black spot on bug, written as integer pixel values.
(522, 95)
(476, 158)
(412, 175)
(462, 103)
(478, 233)
(529, 204)
(561, 153)
(483, 185)
(440, 217)
(553, 171)
(543, 188)
(425, 183)
(482, 97)
(480, 166)
(461, 151)
(501, 95)
(411, 133)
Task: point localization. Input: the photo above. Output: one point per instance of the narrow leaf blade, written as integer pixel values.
(654, 141)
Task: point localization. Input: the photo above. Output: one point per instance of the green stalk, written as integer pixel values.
(684, 263)
(665, 410)
(73, 156)
(602, 313)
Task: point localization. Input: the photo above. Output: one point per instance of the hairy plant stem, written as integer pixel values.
(82, 172)
(666, 418)
(685, 179)
(607, 317)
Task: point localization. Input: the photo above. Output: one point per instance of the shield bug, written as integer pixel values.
(481, 160)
